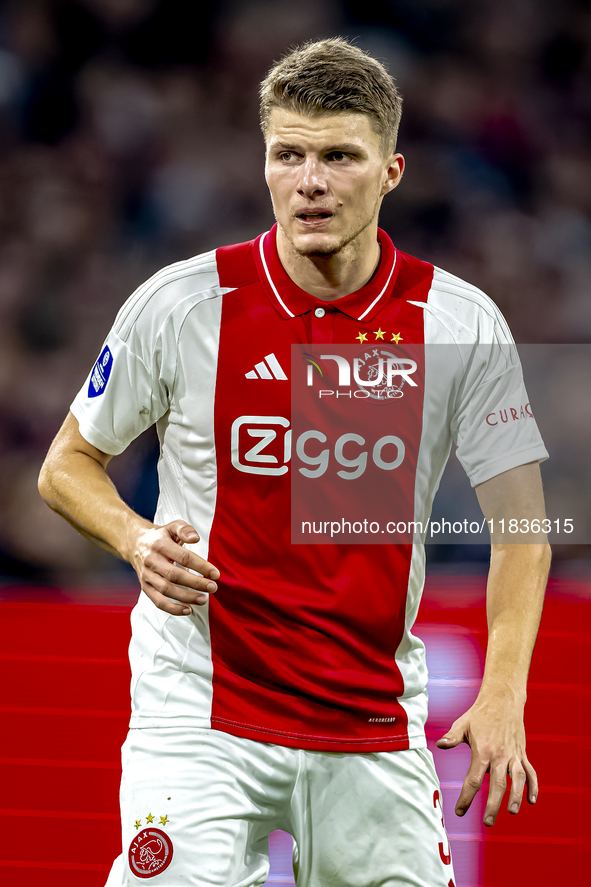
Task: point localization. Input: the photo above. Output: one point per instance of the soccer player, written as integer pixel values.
(278, 685)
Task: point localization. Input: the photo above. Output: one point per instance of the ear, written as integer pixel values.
(393, 172)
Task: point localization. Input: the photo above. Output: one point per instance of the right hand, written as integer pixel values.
(163, 567)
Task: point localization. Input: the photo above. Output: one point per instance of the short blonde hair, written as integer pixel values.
(332, 75)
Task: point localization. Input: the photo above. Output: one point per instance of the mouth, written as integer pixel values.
(314, 216)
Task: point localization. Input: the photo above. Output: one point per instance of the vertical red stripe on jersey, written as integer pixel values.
(303, 637)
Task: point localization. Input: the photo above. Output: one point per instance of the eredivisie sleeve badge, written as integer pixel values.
(100, 372)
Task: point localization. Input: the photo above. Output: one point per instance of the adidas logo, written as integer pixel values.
(271, 369)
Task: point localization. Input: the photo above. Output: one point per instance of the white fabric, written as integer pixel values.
(358, 819)
(170, 657)
(471, 367)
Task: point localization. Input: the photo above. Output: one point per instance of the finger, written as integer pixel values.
(180, 532)
(177, 576)
(517, 774)
(452, 738)
(185, 558)
(191, 561)
(532, 782)
(161, 601)
(162, 587)
(180, 529)
(496, 791)
(471, 785)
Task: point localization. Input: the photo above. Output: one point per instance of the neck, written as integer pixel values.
(333, 276)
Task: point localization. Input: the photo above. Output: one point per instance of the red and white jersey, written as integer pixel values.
(307, 646)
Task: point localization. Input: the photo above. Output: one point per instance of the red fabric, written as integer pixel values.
(303, 637)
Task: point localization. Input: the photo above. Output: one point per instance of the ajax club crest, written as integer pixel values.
(150, 853)
(374, 378)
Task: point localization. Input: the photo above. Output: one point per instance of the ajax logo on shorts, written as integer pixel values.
(150, 853)
(100, 373)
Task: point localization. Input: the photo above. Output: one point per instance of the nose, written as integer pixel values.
(312, 181)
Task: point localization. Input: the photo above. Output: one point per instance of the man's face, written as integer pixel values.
(327, 177)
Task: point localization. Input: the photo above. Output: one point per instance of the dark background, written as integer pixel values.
(129, 139)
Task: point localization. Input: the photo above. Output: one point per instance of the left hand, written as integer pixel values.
(496, 737)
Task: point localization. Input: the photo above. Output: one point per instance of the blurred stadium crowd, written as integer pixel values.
(129, 139)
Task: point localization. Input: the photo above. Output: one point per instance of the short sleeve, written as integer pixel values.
(493, 425)
(121, 397)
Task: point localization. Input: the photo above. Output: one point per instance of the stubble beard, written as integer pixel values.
(318, 253)
(330, 250)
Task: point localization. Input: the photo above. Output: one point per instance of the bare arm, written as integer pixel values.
(75, 484)
(493, 726)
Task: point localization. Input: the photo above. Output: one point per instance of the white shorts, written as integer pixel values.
(197, 808)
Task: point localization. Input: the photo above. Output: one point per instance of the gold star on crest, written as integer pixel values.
(164, 820)
(379, 333)
(362, 337)
(396, 337)
(149, 818)
(138, 822)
